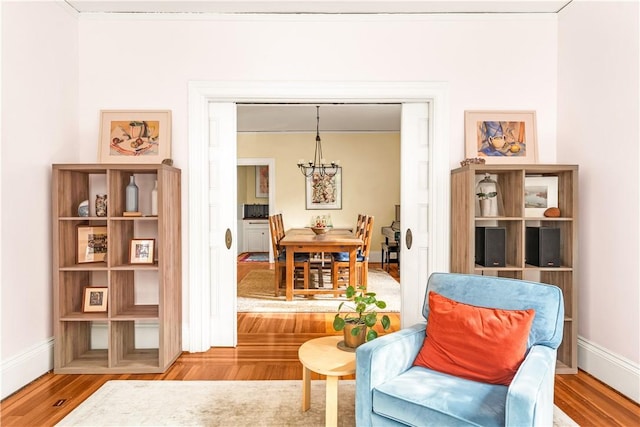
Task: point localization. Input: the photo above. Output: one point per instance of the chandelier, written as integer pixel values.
(318, 165)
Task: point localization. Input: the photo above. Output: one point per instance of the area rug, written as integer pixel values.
(256, 294)
(218, 403)
(254, 257)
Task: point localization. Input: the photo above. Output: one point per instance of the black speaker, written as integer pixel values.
(491, 246)
(542, 246)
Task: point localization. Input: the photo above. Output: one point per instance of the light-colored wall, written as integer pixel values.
(247, 188)
(599, 128)
(370, 175)
(39, 127)
(146, 61)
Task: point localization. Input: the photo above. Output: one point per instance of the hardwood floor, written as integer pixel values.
(268, 350)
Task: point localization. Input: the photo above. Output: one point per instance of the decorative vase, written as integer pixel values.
(490, 197)
(154, 199)
(485, 207)
(83, 208)
(131, 199)
(353, 341)
(101, 205)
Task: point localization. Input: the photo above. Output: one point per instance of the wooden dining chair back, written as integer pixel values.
(279, 225)
(360, 225)
(340, 263)
(301, 262)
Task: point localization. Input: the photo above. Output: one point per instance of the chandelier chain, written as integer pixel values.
(317, 165)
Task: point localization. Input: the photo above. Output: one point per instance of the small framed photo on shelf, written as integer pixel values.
(95, 299)
(134, 136)
(141, 251)
(501, 137)
(91, 244)
(540, 194)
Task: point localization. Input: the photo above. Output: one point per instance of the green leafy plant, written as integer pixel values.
(485, 196)
(364, 315)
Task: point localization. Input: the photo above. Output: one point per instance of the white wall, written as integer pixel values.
(146, 61)
(39, 127)
(599, 128)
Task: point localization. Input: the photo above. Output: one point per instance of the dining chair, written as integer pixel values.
(279, 227)
(301, 261)
(340, 260)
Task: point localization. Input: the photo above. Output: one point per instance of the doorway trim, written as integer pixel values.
(197, 330)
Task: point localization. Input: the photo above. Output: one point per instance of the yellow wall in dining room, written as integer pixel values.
(370, 175)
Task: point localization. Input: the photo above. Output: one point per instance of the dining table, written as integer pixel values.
(305, 240)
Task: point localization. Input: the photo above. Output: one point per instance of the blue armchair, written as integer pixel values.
(390, 391)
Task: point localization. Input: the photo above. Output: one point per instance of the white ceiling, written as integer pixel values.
(319, 6)
(333, 117)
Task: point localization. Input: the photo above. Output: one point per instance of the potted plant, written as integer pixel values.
(358, 324)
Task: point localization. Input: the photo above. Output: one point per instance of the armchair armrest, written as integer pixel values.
(382, 359)
(530, 395)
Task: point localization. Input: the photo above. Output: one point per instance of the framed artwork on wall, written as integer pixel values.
(262, 181)
(91, 244)
(95, 299)
(323, 191)
(540, 194)
(501, 137)
(130, 136)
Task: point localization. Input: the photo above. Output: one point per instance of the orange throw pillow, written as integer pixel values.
(476, 343)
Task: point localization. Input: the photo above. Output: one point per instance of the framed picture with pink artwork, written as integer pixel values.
(262, 181)
(134, 136)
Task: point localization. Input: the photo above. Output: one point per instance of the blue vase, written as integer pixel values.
(131, 199)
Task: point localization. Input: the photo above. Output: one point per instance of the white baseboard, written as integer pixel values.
(20, 370)
(614, 370)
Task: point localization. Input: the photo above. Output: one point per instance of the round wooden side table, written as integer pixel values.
(322, 355)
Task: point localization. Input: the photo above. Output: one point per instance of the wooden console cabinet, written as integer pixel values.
(141, 329)
(465, 217)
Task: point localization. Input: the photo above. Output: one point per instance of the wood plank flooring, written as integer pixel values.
(268, 350)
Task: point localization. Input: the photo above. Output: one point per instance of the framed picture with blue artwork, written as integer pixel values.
(501, 137)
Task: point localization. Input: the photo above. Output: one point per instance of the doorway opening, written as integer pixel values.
(363, 138)
(213, 143)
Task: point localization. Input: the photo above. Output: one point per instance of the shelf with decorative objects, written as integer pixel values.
(116, 268)
(537, 207)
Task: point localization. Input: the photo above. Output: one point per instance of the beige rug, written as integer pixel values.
(218, 403)
(256, 294)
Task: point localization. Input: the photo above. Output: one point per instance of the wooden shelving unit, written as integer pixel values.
(141, 330)
(465, 218)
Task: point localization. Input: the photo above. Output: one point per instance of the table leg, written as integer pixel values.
(331, 403)
(306, 388)
(289, 271)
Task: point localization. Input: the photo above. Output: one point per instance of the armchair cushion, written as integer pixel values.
(447, 401)
(476, 343)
